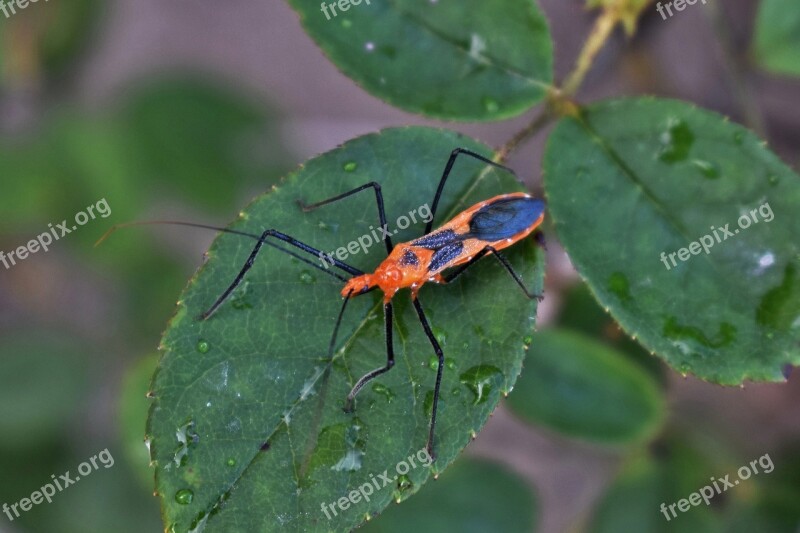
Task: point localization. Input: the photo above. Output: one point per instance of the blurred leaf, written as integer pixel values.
(633, 503)
(44, 36)
(256, 371)
(471, 497)
(776, 42)
(201, 140)
(109, 499)
(771, 505)
(583, 389)
(581, 312)
(42, 382)
(469, 60)
(634, 180)
(133, 407)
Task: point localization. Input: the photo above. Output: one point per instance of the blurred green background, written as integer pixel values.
(185, 110)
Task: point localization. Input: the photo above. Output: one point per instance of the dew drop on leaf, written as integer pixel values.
(528, 340)
(202, 346)
(677, 140)
(383, 390)
(184, 496)
(350, 166)
(490, 104)
(481, 380)
(404, 483)
(706, 168)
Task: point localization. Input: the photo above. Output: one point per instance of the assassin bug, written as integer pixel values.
(481, 230)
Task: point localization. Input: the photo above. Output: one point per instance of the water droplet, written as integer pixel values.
(383, 390)
(346, 23)
(433, 363)
(306, 277)
(685, 368)
(350, 166)
(456, 391)
(440, 335)
(239, 298)
(404, 483)
(779, 306)
(738, 137)
(231, 462)
(184, 496)
(355, 449)
(679, 333)
(481, 380)
(773, 180)
(450, 363)
(528, 340)
(677, 141)
(187, 437)
(490, 104)
(202, 346)
(618, 284)
(427, 404)
(706, 168)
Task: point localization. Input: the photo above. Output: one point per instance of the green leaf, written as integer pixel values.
(133, 406)
(633, 502)
(201, 139)
(52, 33)
(635, 180)
(776, 43)
(474, 60)
(256, 372)
(581, 312)
(42, 379)
(471, 497)
(581, 388)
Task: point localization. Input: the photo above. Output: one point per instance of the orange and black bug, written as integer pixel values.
(483, 229)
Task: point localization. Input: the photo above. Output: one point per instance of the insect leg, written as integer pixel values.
(379, 199)
(503, 261)
(369, 376)
(271, 233)
(440, 355)
(450, 162)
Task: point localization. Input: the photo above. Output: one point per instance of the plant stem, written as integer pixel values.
(541, 120)
(597, 38)
(558, 103)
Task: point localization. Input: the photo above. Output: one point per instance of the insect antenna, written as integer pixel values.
(116, 227)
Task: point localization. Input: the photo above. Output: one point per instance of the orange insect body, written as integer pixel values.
(498, 222)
